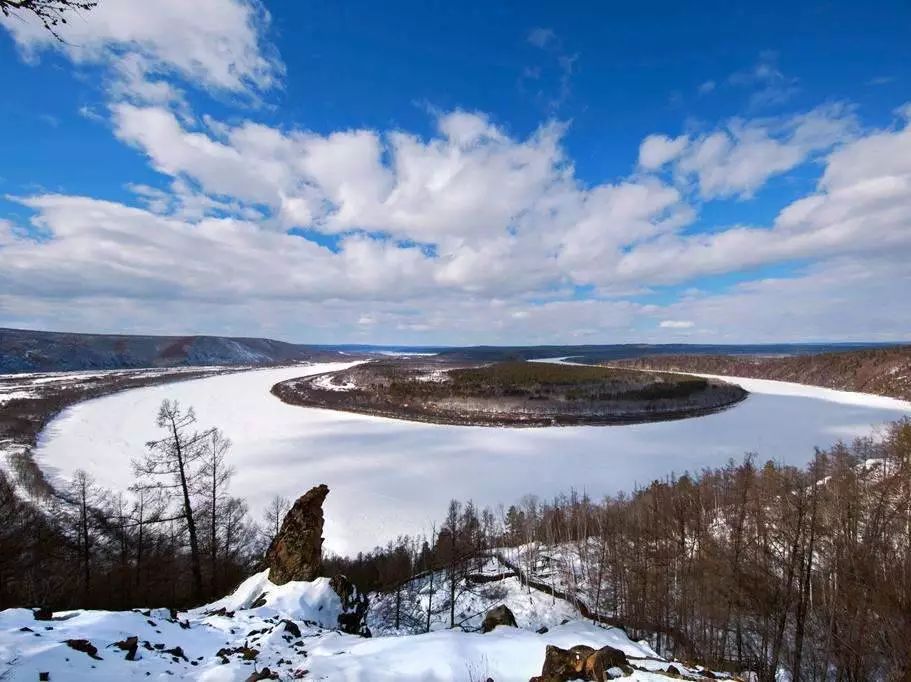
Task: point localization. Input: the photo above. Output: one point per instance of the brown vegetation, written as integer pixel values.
(881, 371)
(178, 540)
(511, 394)
(766, 568)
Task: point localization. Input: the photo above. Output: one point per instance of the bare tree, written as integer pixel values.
(51, 13)
(176, 458)
(214, 475)
(274, 515)
(83, 490)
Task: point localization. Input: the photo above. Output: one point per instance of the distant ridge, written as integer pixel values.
(39, 351)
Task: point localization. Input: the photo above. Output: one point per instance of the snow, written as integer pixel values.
(33, 385)
(325, 383)
(531, 608)
(6, 396)
(389, 477)
(28, 646)
(785, 388)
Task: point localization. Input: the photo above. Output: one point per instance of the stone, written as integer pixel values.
(130, 645)
(296, 552)
(499, 615)
(176, 652)
(43, 613)
(563, 664)
(264, 674)
(85, 646)
(292, 628)
(581, 662)
(353, 618)
(598, 664)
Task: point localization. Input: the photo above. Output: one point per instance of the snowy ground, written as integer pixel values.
(212, 645)
(389, 477)
(30, 384)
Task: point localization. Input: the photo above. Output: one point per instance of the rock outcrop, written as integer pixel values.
(353, 618)
(499, 615)
(296, 552)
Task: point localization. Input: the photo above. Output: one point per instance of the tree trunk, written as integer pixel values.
(188, 513)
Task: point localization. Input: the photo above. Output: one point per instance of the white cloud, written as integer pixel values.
(216, 44)
(657, 150)
(468, 234)
(862, 206)
(829, 301)
(539, 225)
(737, 159)
(450, 238)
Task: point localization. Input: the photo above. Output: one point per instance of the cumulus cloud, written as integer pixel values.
(657, 150)
(738, 158)
(861, 206)
(415, 218)
(215, 44)
(467, 234)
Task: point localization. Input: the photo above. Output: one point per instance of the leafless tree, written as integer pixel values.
(274, 515)
(176, 459)
(214, 476)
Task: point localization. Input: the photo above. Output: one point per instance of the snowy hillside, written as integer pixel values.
(37, 351)
(288, 629)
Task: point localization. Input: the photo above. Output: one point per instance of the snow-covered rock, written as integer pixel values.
(289, 629)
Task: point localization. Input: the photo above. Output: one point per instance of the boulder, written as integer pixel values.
(296, 552)
(498, 615)
(603, 660)
(353, 618)
(292, 628)
(85, 646)
(581, 662)
(130, 645)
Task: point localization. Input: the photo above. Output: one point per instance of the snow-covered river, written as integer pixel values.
(389, 477)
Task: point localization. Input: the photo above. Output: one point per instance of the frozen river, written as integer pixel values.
(389, 477)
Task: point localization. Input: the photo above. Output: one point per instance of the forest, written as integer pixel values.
(177, 538)
(881, 371)
(753, 565)
(512, 393)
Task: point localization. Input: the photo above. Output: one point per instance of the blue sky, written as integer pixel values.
(460, 173)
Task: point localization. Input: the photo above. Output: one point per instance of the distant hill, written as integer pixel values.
(881, 371)
(598, 353)
(38, 351)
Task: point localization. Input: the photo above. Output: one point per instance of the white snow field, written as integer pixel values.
(210, 644)
(389, 476)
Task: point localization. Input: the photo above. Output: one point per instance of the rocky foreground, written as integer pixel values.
(268, 631)
(277, 626)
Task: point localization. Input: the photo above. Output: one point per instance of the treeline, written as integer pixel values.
(804, 573)
(882, 371)
(177, 538)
